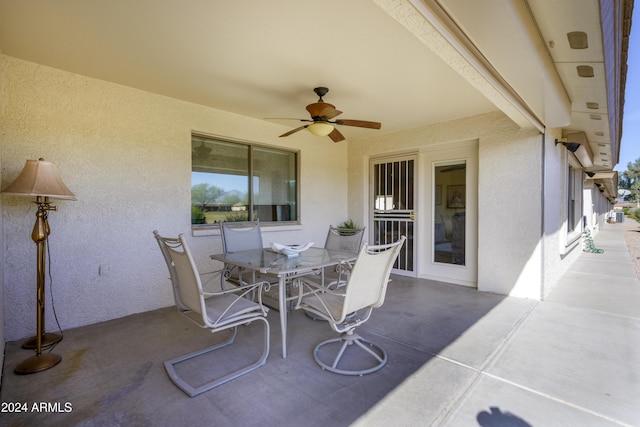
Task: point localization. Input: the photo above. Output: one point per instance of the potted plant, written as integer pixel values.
(347, 228)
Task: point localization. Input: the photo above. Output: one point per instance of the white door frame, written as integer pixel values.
(466, 274)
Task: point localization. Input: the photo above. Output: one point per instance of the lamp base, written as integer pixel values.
(38, 363)
(48, 339)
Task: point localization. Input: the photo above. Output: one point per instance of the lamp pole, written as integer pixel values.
(39, 235)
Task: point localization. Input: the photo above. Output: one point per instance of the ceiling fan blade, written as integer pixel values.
(336, 136)
(294, 131)
(359, 123)
(287, 118)
(330, 113)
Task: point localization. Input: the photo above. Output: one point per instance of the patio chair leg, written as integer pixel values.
(169, 365)
(348, 339)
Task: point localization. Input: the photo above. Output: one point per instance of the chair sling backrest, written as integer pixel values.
(187, 287)
(240, 236)
(346, 240)
(367, 283)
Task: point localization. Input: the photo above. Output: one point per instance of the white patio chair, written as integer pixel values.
(243, 236)
(216, 311)
(239, 236)
(365, 290)
(345, 240)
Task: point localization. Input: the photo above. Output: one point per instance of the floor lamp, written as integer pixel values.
(41, 180)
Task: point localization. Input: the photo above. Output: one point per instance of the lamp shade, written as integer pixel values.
(320, 128)
(39, 178)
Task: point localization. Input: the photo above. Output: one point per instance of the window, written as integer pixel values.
(574, 198)
(222, 191)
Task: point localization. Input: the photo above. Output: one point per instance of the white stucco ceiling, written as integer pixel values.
(258, 58)
(379, 58)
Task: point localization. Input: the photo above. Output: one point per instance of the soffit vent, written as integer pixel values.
(578, 40)
(585, 70)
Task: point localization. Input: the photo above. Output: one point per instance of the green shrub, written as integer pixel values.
(633, 213)
(236, 217)
(197, 215)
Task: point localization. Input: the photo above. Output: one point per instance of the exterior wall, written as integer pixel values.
(596, 207)
(126, 154)
(509, 198)
(603, 209)
(523, 244)
(560, 247)
(554, 213)
(2, 234)
(510, 223)
(589, 208)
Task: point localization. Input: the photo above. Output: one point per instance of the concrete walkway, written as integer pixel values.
(571, 360)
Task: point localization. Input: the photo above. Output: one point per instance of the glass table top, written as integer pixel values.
(270, 262)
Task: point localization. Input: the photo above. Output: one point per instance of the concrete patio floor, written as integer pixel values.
(571, 360)
(457, 357)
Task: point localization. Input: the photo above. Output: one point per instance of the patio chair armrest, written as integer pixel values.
(308, 287)
(244, 289)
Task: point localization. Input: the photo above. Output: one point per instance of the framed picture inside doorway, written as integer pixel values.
(455, 196)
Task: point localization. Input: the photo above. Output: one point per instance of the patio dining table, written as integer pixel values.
(285, 268)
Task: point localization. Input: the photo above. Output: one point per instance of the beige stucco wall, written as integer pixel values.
(126, 154)
(560, 251)
(2, 234)
(509, 178)
(511, 224)
(596, 207)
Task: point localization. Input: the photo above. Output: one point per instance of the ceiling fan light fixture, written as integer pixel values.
(320, 128)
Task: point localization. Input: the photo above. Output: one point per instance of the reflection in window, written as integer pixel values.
(384, 203)
(449, 223)
(222, 191)
(574, 201)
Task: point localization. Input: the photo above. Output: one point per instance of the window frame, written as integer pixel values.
(250, 174)
(574, 199)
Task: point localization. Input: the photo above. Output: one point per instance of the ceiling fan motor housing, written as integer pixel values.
(320, 111)
(321, 91)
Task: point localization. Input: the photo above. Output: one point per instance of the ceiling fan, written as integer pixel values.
(321, 115)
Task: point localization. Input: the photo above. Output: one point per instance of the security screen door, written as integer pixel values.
(393, 201)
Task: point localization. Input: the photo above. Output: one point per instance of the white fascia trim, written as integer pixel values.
(440, 20)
